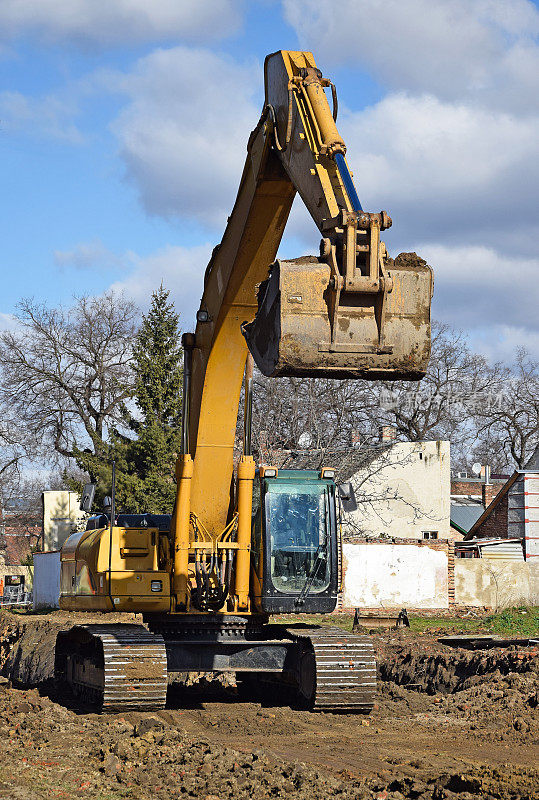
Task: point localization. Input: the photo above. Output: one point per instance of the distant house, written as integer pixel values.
(514, 512)
(470, 496)
(475, 488)
(402, 488)
(403, 492)
(19, 535)
(15, 552)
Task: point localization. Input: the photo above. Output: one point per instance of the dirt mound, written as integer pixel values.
(495, 691)
(443, 670)
(470, 714)
(27, 642)
(53, 750)
(29, 653)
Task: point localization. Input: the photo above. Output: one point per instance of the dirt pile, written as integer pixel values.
(495, 691)
(28, 652)
(442, 670)
(27, 642)
(47, 748)
(464, 730)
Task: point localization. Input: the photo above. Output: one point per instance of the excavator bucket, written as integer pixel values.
(302, 329)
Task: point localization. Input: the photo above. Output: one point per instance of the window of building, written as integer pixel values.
(430, 534)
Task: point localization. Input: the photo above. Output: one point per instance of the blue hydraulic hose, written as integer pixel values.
(348, 182)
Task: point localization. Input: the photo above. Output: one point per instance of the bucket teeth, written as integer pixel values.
(297, 332)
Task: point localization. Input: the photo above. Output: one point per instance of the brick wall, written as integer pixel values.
(488, 493)
(451, 572)
(475, 487)
(495, 525)
(434, 544)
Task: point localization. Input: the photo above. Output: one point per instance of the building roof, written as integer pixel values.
(15, 548)
(465, 514)
(490, 508)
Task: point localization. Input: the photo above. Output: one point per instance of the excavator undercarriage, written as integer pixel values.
(124, 667)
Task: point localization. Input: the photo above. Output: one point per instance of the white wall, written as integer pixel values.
(394, 576)
(61, 517)
(46, 579)
(403, 492)
(496, 583)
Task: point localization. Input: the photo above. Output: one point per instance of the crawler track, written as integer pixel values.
(338, 670)
(113, 667)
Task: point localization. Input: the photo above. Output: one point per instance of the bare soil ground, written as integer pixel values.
(467, 727)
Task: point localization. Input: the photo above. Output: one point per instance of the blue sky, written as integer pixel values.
(123, 127)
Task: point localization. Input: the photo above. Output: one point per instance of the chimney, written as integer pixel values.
(387, 434)
(487, 489)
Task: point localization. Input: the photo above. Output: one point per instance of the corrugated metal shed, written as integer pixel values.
(495, 549)
(505, 551)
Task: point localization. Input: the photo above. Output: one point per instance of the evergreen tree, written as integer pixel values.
(158, 371)
(145, 464)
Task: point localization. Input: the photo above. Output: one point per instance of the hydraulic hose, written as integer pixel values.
(348, 182)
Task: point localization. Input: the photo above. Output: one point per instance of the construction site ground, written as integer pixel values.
(448, 723)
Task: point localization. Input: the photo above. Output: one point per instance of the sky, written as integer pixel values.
(124, 126)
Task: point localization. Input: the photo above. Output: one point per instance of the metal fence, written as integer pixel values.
(16, 596)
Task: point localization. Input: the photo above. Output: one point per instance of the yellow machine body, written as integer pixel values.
(114, 569)
(348, 313)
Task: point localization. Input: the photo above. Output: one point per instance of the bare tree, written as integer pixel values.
(488, 412)
(66, 372)
(509, 428)
(15, 449)
(442, 405)
(298, 413)
(433, 407)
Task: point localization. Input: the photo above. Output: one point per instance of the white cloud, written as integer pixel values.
(475, 287)
(49, 117)
(87, 255)
(180, 269)
(8, 322)
(183, 134)
(446, 171)
(109, 22)
(500, 342)
(480, 49)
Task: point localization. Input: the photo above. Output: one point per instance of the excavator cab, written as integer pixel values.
(294, 542)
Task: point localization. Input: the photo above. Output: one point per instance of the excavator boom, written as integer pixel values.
(346, 313)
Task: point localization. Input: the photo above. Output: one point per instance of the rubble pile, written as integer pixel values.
(150, 756)
(449, 725)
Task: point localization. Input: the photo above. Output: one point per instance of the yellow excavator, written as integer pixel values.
(247, 544)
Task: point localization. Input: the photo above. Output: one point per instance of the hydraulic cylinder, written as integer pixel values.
(246, 475)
